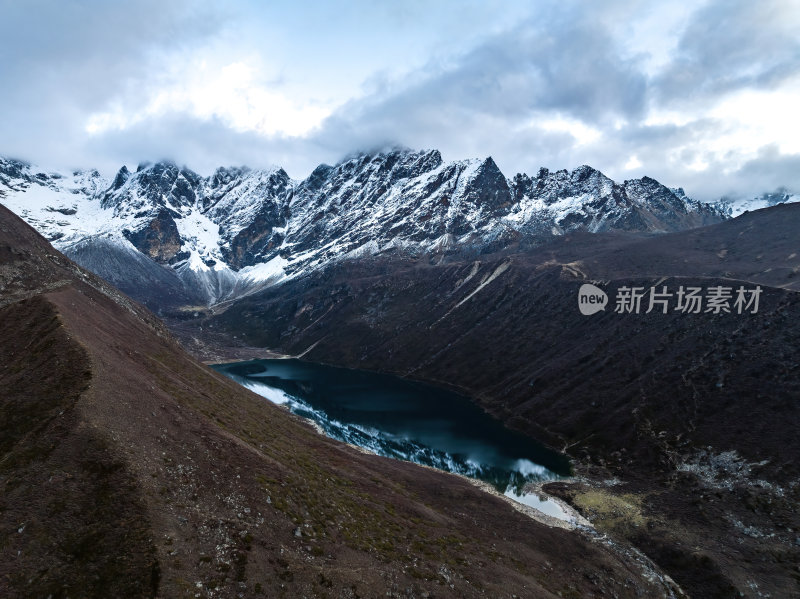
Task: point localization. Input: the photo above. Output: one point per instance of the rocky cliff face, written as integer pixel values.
(586, 200)
(159, 239)
(251, 209)
(238, 229)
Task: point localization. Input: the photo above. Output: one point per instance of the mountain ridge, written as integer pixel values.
(241, 229)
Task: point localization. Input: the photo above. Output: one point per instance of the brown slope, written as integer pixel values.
(128, 469)
(68, 502)
(522, 347)
(657, 401)
(761, 246)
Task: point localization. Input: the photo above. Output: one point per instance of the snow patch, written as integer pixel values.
(497, 272)
(201, 237)
(272, 271)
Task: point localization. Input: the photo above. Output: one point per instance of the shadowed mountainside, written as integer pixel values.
(129, 469)
(693, 414)
(761, 246)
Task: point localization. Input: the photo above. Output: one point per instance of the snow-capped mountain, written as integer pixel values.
(201, 240)
(585, 199)
(734, 207)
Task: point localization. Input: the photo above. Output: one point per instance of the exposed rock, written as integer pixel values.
(399, 201)
(160, 239)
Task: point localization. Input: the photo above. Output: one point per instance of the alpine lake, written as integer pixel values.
(402, 419)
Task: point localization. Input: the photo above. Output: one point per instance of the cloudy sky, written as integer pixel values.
(703, 94)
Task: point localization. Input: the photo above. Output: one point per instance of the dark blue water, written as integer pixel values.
(402, 419)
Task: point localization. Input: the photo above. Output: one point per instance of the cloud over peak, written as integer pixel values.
(697, 95)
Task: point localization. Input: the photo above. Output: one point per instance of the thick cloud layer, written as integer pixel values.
(701, 95)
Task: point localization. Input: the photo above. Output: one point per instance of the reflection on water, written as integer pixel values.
(397, 418)
(541, 503)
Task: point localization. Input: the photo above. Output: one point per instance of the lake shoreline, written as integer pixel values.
(390, 416)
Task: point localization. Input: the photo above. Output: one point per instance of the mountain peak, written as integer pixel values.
(225, 174)
(220, 233)
(489, 164)
(584, 171)
(122, 176)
